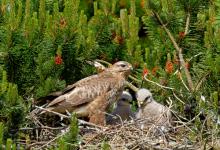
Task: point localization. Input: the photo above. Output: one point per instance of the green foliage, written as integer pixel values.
(1, 133)
(32, 48)
(71, 138)
(12, 110)
(42, 14)
(44, 46)
(105, 146)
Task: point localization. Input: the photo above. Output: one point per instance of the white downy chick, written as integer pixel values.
(153, 111)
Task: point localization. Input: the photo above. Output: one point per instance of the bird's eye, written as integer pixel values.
(147, 98)
(123, 65)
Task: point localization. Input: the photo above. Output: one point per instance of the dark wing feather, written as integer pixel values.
(57, 101)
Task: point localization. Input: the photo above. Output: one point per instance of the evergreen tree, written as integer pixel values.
(44, 46)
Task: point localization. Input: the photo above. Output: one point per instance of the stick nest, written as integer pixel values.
(130, 135)
(127, 135)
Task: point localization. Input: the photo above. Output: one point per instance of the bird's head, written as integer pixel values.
(121, 67)
(126, 96)
(124, 99)
(143, 97)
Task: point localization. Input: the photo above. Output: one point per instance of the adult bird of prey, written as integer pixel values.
(122, 111)
(153, 111)
(91, 96)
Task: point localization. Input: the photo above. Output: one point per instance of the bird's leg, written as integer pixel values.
(97, 112)
(98, 118)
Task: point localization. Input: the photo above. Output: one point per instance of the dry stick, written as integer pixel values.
(179, 50)
(165, 87)
(56, 113)
(43, 127)
(100, 133)
(181, 78)
(64, 116)
(187, 24)
(104, 62)
(34, 144)
(178, 117)
(203, 126)
(178, 98)
(189, 61)
(199, 84)
(68, 117)
(110, 129)
(134, 79)
(184, 124)
(57, 137)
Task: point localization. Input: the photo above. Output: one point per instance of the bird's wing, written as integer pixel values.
(57, 101)
(88, 89)
(82, 81)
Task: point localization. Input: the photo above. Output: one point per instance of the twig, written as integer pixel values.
(196, 56)
(178, 117)
(134, 79)
(184, 123)
(179, 50)
(165, 87)
(34, 144)
(198, 85)
(43, 127)
(91, 124)
(181, 78)
(68, 117)
(104, 62)
(203, 126)
(187, 24)
(62, 134)
(178, 98)
(53, 112)
(189, 61)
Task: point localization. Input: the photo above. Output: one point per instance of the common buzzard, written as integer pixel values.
(91, 96)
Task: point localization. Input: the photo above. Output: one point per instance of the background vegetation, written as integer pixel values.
(44, 46)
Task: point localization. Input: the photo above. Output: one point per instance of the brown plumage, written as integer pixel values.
(91, 96)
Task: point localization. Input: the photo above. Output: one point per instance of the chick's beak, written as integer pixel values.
(140, 103)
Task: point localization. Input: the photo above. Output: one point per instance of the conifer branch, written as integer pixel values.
(179, 50)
